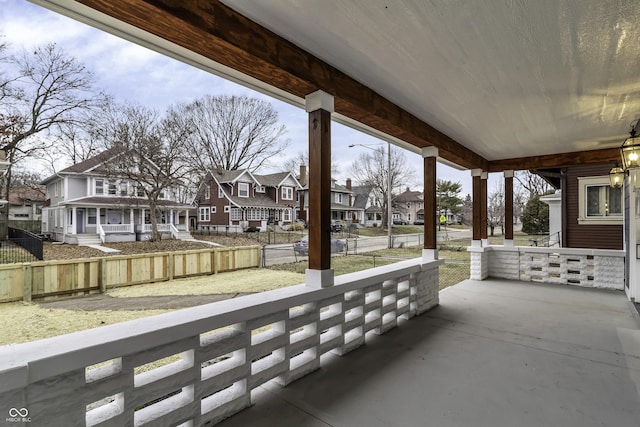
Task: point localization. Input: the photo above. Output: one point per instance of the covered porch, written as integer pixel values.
(500, 95)
(493, 353)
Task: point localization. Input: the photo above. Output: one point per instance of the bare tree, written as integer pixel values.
(533, 184)
(231, 132)
(373, 169)
(148, 152)
(495, 208)
(42, 90)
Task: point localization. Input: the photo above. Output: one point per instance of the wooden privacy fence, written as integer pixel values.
(41, 279)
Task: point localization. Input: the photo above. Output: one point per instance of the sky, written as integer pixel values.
(133, 73)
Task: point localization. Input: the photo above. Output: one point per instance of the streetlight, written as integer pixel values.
(389, 243)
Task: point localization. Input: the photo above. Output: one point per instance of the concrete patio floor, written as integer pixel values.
(494, 353)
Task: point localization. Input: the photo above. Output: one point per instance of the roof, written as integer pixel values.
(18, 195)
(361, 196)
(409, 196)
(493, 85)
(274, 179)
(228, 176)
(124, 202)
(259, 201)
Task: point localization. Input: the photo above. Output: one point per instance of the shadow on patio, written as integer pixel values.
(494, 353)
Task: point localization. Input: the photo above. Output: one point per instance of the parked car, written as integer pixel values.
(336, 226)
(400, 221)
(301, 247)
(418, 222)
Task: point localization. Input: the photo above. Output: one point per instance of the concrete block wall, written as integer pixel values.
(199, 365)
(596, 268)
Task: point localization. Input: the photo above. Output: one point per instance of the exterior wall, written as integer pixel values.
(585, 236)
(77, 187)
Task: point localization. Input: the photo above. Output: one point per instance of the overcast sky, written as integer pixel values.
(130, 72)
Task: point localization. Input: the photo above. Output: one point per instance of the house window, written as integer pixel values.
(112, 189)
(226, 209)
(207, 193)
(213, 209)
(91, 216)
(260, 189)
(236, 214)
(338, 197)
(139, 191)
(220, 193)
(99, 186)
(287, 193)
(204, 214)
(243, 189)
(598, 202)
(123, 188)
(162, 195)
(286, 215)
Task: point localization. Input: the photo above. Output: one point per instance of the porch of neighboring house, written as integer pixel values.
(94, 225)
(493, 353)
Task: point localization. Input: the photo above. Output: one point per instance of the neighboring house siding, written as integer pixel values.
(77, 187)
(590, 236)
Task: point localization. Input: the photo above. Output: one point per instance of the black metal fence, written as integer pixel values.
(29, 242)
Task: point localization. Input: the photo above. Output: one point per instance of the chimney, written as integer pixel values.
(303, 175)
(348, 183)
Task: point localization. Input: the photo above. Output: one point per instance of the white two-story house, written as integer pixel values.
(86, 204)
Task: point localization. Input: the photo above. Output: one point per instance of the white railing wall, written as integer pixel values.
(117, 228)
(593, 268)
(103, 235)
(214, 354)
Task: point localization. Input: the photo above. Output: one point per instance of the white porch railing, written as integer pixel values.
(162, 228)
(117, 228)
(593, 268)
(218, 352)
(103, 235)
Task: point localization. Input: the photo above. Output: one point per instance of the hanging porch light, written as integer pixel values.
(616, 176)
(630, 150)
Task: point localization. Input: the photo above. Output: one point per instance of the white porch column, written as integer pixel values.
(74, 219)
(186, 220)
(132, 226)
(484, 179)
(98, 217)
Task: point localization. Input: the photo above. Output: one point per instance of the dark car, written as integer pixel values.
(400, 221)
(418, 222)
(301, 247)
(336, 226)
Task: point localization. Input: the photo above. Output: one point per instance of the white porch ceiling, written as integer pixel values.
(505, 78)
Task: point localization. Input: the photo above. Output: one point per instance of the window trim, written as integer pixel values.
(289, 195)
(204, 214)
(243, 186)
(583, 219)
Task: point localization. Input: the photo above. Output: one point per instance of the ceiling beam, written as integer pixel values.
(210, 29)
(607, 155)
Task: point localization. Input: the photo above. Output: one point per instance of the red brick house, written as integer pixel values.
(239, 199)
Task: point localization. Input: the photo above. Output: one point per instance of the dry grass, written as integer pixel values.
(24, 322)
(243, 281)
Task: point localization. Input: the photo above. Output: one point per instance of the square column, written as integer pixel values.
(476, 176)
(483, 201)
(508, 208)
(319, 105)
(430, 250)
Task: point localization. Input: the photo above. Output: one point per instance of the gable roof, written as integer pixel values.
(409, 196)
(273, 179)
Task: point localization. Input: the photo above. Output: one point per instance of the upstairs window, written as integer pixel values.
(220, 193)
(207, 192)
(287, 193)
(113, 189)
(243, 189)
(260, 189)
(99, 189)
(338, 197)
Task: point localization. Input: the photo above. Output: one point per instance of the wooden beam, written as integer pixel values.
(483, 207)
(477, 208)
(430, 205)
(319, 190)
(508, 207)
(606, 155)
(217, 32)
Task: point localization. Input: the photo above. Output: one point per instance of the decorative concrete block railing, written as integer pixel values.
(199, 365)
(593, 268)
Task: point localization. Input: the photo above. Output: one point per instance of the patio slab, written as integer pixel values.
(494, 353)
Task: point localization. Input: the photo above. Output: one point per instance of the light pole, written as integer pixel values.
(389, 242)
